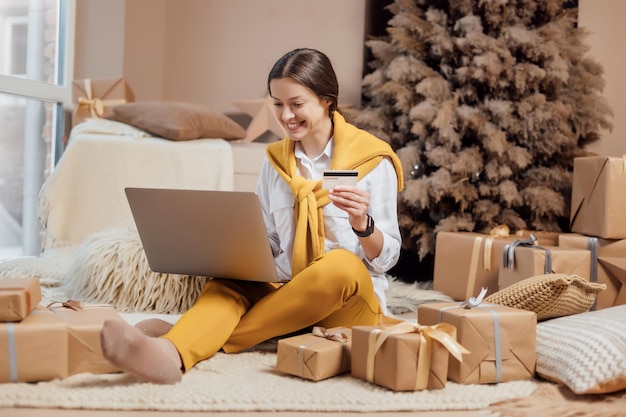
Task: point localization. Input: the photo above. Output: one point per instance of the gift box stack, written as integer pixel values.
(595, 249)
(401, 357)
(40, 344)
(96, 98)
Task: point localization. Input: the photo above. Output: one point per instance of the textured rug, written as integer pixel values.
(249, 382)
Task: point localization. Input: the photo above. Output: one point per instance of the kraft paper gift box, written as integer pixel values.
(465, 262)
(405, 356)
(318, 355)
(85, 323)
(523, 262)
(18, 297)
(34, 349)
(97, 97)
(608, 265)
(501, 341)
(598, 198)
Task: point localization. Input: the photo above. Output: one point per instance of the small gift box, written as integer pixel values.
(501, 340)
(405, 356)
(598, 197)
(524, 259)
(18, 297)
(97, 97)
(34, 349)
(85, 323)
(465, 262)
(608, 265)
(318, 355)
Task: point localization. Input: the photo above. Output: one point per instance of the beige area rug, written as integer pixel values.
(249, 382)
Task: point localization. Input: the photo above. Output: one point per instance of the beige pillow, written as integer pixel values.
(178, 121)
(586, 352)
(550, 295)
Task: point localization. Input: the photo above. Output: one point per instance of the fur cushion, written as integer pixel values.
(110, 267)
(550, 295)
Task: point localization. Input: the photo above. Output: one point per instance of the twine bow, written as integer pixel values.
(443, 333)
(96, 105)
(338, 334)
(75, 305)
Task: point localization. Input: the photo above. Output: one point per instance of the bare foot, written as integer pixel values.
(154, 327)
(150, 358)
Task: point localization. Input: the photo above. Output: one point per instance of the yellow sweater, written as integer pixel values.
(353, 149)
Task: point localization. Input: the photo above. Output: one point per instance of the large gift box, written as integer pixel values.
(608, 265)
(85, 323)
(405, 356)
(96, 97)
(501, 340)
(465, 262)
(34, 349)
(18, 297)
(598, 198)
(318, 355)
(521, 262)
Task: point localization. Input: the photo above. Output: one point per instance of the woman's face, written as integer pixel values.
(302, 113)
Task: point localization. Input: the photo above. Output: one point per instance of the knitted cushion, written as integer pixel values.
(586, 352)
(110, 267)
(550, 296)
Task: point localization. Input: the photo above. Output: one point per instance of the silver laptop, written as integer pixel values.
(217, 234)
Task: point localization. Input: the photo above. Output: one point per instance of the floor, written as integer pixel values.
(29, 412)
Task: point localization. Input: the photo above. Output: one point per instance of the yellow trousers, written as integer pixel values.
(334, 290)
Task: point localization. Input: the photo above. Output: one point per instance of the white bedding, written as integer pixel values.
(85, 192)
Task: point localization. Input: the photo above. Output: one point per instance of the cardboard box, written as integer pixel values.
(608, 265)
(97, 97)
(18, 297)
(34, 349)
(501, 341)
(598, 198)
(315, 355)
(466, 262)
(84, 326)
(408, 360)
(527, 262)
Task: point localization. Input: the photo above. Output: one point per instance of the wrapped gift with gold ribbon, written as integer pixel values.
(501, 340)
(465, 262)
(404, 356)
(84, 326)
(96, 98)
(318, 355)
(34, 349)
(523, 259)
(598, 198)
(18, 297)
(608, 265)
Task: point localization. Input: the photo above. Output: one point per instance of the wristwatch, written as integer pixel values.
(368, 230)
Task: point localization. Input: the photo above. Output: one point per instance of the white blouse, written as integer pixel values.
(277, 202)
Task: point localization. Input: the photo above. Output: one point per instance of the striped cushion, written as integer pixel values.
(586, 352)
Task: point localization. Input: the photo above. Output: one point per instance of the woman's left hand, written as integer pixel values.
(353, 201)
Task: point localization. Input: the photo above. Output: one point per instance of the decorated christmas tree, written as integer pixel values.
(487, 103)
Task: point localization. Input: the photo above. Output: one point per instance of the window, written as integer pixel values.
(36, 44)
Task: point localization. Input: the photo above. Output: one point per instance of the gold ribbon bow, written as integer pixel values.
(74, 305)
(338, 334)
(443, 333)
(95, 105)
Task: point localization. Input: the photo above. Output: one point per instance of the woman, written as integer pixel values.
(331, 248)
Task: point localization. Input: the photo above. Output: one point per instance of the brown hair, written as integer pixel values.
(310, 68)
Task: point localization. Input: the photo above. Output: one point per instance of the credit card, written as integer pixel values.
(334, 178)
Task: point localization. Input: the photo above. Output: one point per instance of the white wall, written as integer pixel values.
(605, 22)
(216, 52)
